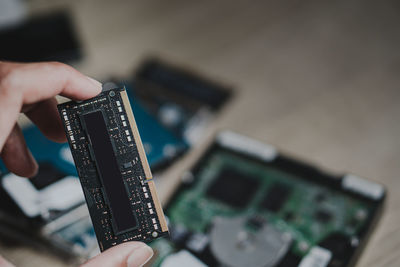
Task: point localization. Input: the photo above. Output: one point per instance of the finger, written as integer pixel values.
(16, 155)
(39, 81)
(5, 263)
(130, 254)
(45, 115)
(29, 83)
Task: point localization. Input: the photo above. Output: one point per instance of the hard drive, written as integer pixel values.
(246, 204)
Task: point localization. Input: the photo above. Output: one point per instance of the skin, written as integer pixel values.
(31, 89)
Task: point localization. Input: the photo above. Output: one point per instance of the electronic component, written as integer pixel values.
(234, 245)
(48, 210)
(245, 229)
(161, 145)
(56, 154)
(70, 231)
(323, 216)
(276, 197)
(183, 101)
(48, 194)
(104, 138)
(54, 38)
(46, 175)
(233, 188)
(340, 246)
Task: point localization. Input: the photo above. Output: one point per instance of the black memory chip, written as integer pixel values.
(113, 169)
(323, 216)
(109, 173)
(276, 197)
(233, 187)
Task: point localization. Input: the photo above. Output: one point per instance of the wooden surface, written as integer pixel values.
(318, 79)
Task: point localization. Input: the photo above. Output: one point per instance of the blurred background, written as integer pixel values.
(317, 79)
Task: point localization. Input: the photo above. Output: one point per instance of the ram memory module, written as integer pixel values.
(113, 169)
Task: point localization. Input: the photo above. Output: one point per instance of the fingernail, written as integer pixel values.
(96, 83)
(140, 256)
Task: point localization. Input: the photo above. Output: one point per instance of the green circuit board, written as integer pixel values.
(229, 185)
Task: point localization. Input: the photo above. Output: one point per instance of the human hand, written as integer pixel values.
(130, 254)
(31, 89)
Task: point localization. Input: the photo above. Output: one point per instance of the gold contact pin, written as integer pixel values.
(143, 159)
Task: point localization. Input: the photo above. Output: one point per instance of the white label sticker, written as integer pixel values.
(182, 258)
(362, 186)
(247, 145)
(317, 257)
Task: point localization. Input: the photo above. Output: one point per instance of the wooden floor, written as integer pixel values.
(318, 79)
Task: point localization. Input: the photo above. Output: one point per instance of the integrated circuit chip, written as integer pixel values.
(233, 188)
(113, 169)
(323, 216)
(276, 197)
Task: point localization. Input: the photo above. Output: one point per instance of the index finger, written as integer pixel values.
(39, 81)
(30, 83)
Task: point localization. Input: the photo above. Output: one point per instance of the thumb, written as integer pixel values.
(130, 254)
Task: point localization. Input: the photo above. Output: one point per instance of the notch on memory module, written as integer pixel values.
(113, 169)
